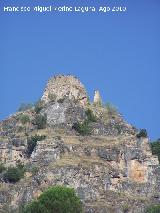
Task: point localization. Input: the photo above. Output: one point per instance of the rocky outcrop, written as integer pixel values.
(62, 87)
(64, 113)
(12, 151)
(111, 169)
(97, 167)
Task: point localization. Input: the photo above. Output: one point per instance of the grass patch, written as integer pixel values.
(72, 160)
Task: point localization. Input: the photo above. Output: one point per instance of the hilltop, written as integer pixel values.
(64, 139)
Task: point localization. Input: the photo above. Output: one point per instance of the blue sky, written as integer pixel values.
(117, 53)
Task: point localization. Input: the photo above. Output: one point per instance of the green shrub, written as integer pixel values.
(61, 100)
(142, 133)
(24, 107)
(125, 208)
(155, 147)
(20, 165)
(21, 128)
(90, 116)
(82, 128)
(39, 106)
(111, 109)
(34, 170)
(40, 121)
(14, 174)
(57, 199)
(52, 97)
(2, 167)
(153, 209)
(32, 142)
(24, 118)
(118, 127)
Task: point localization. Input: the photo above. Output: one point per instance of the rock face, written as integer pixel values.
(111, 169)
(103, 171)
(62, 87)
(64, 113)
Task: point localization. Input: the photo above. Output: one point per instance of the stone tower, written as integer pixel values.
(97, 98)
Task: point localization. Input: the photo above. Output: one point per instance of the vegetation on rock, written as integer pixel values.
(125, 208)
(61, 100)
(155, 146)
(24, 107)
(32, 142)
(14, 174)
(142, 133)
(24, 118)
(34, 170)
(107, 169)
(57, 199)
(111, 109)
(153, 209)
(90, 116)
(84, 128)
(40, 121)
(39, 106)
(52, 97)
(2, 167)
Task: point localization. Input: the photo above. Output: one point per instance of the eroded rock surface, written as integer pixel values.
(111, 169)
(65, 113)
(62, 87)
(94, 167)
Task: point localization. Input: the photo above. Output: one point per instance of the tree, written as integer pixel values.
(57, 199)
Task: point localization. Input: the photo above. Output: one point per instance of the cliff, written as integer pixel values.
(85, 146)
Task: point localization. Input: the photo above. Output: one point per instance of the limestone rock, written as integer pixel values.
(116, 171)
(64, 113)
(61, 87)
(111, 170)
